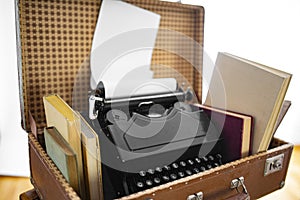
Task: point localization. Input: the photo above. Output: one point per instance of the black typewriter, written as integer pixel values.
(150, 140)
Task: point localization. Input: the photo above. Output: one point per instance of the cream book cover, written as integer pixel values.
(244, 86)
(92, 160)
(60, 115)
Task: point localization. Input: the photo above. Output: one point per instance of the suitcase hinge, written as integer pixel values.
(196, 196)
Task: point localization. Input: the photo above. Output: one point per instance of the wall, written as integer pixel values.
(13, 140)
(263, 31)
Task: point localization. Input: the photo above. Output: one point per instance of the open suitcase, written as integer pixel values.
(54, 42)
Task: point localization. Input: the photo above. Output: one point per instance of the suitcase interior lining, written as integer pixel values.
(56, 38)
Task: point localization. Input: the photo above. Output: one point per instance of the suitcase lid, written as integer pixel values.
(54, 40)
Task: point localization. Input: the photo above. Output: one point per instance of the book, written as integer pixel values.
(236, 132)
(62, 155)
(285, 107)
(60, 115)
(244, 86)
(92, 160)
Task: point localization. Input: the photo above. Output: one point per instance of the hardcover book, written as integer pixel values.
(92, 160)
(236, 132)
(60, 115)
(62, 155)
(244, 86)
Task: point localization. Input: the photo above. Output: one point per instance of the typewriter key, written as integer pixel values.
(196, 170)
(139, 184)
(182, 163)
(165, 178)
(188, 172)
(175, 165)
(180, 174)
(211, 158)
(173, 176)
(216, 165)
(208, 166)
(149, 183)
(158, 169)
(205, 159)
(202, 168)
(219, 156)
(190, 162)
(150, 171)
(157, 180)
(167, 167)
(198, 160)
(142, 173)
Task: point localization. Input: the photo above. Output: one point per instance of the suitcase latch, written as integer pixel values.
(237, 183)
(196, 196)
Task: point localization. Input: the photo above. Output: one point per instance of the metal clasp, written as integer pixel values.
(237, 183)
(196, 196)
(93, 113)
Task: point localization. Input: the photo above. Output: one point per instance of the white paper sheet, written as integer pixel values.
(122, 50)
(138, 87)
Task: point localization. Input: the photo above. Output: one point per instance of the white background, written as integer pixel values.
(266, 31)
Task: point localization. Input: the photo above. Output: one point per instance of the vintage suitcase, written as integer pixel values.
(54, 42)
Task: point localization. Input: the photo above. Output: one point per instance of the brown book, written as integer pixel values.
(243, 86)
(236, 132)
(60, 115)
(62, 154)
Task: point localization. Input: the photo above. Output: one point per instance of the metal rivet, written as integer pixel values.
(282, 183)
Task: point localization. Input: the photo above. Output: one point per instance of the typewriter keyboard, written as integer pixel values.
(162, 174)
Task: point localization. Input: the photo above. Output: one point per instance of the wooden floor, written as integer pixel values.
(11, 187)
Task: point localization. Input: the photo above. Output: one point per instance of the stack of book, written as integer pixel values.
(74, 147)
(250, 96)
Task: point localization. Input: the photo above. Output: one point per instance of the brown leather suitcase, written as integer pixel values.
(54, 42)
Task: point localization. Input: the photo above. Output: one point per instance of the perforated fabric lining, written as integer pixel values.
(56, 38)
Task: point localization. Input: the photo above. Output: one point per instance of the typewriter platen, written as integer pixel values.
(150, 140)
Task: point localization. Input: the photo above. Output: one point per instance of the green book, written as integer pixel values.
(62, 155)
